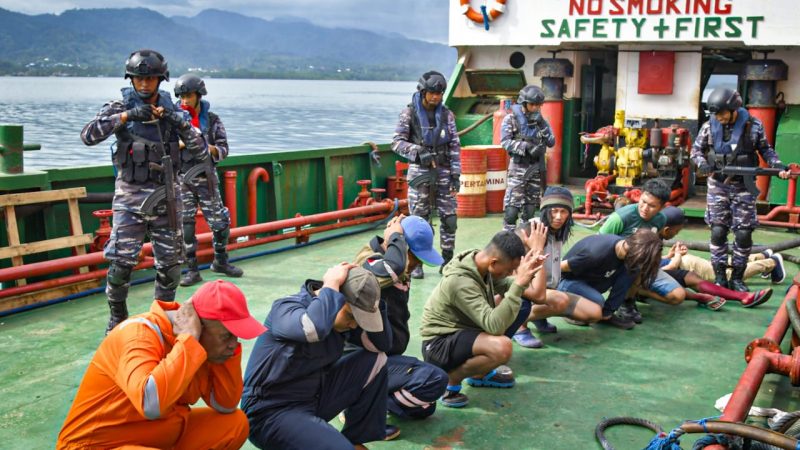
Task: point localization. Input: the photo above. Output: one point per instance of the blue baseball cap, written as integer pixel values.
(419, 237)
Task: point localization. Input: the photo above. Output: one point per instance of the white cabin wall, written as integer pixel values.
(685, 96)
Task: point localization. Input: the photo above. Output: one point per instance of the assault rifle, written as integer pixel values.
(204, 168)
(166, 191)
(749, 175)
(430, 178)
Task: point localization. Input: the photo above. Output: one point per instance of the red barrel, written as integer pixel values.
(471, 199)
(496, 176)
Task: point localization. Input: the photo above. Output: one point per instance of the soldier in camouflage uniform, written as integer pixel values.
(525, 136)
(426, 136)
(137, 150)
(203, 188)
(731, 137)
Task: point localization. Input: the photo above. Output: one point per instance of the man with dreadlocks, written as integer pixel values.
(601, 262)
(556, 215)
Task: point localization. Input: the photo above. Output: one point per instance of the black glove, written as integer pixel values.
(141, 113)
(537, 119)
(425, 156)
(455, 182)
(544, 133)
(177, 119)
(522, 149)
(538, 152)
(703, 169)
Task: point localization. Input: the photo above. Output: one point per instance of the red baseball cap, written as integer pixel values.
(224, 301)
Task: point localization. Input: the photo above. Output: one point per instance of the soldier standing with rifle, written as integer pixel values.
(147, 126)
(731, 137)
(200, 184)
(525, 136)
(426, 136)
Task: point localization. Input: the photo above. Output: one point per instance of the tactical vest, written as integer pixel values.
(524, 133)
(138, 143)
(723, 153)
(436, 137)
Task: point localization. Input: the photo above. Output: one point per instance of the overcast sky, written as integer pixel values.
(418, 19)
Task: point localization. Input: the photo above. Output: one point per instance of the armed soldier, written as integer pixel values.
(731, 137)
(426, 135)
(146, 124)
(525, 136)
(200, 183)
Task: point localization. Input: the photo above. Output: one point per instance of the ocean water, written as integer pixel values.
(260, 116)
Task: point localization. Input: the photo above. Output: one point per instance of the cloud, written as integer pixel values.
(416, 19)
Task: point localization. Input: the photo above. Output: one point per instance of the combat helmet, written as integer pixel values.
(147, 63)
(723, 99)
(190, 83)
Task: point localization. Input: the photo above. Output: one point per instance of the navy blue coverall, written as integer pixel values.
(297, 380)
(414, 385)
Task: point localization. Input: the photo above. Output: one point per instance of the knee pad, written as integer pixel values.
(510, 215)
(188, 232)
(719, 235)
(119, 275)
(528, 212)
(744, 238)
(450, 224)
(169, 277)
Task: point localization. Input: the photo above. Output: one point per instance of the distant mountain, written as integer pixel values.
(97, 41)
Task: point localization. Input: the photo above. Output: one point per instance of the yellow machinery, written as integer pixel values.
(625, 161)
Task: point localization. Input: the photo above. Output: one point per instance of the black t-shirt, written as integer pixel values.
(594, 261)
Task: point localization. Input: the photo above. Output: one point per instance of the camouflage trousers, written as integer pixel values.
(196, 193)
(733, 207)
(419, 203)
(127, 237)
(521, 192)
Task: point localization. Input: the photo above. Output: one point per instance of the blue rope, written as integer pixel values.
(666, 442)
(485, 17)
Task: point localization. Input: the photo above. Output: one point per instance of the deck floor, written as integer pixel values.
(672, 367)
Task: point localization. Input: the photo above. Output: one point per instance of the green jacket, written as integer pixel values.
(464, 300)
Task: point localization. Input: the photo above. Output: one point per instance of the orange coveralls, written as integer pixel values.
(138, 387)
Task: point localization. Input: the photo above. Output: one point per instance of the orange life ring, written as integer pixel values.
(495, 8)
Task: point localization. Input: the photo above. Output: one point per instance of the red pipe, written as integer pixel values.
(252, 194)
(763, 356)
(553, 111)
(339, 193)
(71, 262)
(767, 116)
(230, 195)
(205, 237)
(789, 208)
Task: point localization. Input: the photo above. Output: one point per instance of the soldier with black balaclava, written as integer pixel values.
(525, 136)
(731, 137)
(136, 121)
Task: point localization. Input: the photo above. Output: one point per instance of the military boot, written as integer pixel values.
(192, 275)
(418, 273)
(119, 312)
(737, 279)
(447, 255)
(721, 275)
(221, 265)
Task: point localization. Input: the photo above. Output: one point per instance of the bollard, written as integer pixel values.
(11, 148)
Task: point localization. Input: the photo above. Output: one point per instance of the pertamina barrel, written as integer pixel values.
(496, 176)
(471, 197)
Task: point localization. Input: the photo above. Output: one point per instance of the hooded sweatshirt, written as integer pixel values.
(464, 299)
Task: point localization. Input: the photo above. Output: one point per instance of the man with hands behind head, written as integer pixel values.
(139, 386)
(297, 379)
(465, 329)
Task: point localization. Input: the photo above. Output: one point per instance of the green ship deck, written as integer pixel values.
(672, 367)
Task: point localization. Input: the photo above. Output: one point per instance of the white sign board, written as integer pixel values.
(559, 22)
